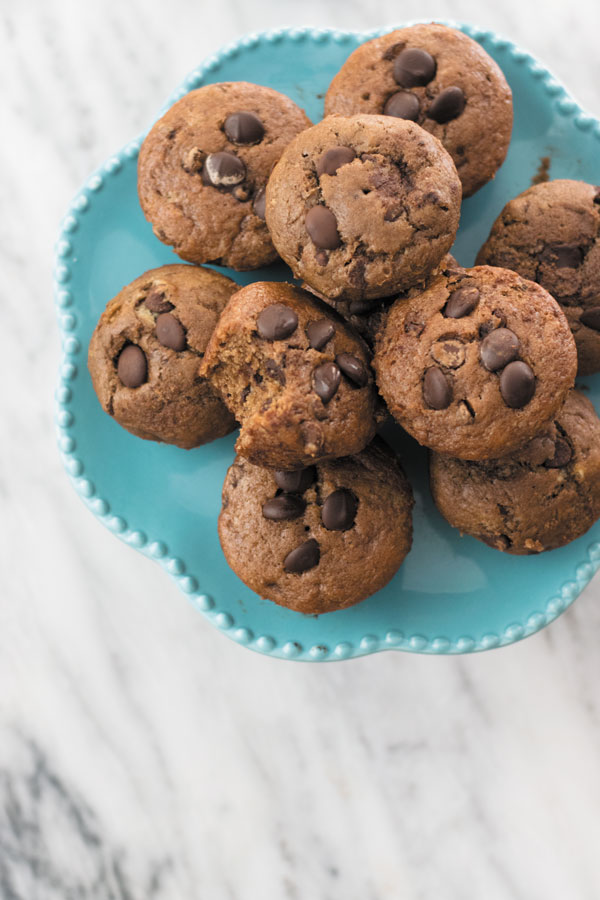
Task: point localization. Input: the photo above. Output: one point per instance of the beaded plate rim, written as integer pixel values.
(157, 549)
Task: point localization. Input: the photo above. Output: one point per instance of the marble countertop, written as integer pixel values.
(142, 755)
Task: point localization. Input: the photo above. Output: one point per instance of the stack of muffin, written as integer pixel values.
(478, 364)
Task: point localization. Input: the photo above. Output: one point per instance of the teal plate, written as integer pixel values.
(453, 594)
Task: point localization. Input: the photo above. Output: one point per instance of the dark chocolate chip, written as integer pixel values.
(286, 506)
(297, 481)
(333, 159)
(259, 203)
(170, 332)
(276, 322)
(223, 170)
(353, 368)
(416, 328)
(437, 393)
(361, 307)
(326, 381)
(517, 384)
(461, 302)
(244, 128)
(499, 348)
(402, 105)
(562, 455)
(339, 510)
(132, 367)
(591, 318)
(303, 558)
(414, 67)
(447, 105)
(597, 196)
(319, 333)
(562, 256)
(156, 303)
(321, 225)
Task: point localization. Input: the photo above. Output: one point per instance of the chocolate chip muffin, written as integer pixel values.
(441, 79)
(294, 375)
(551, 234)
(541, 497)
(321, 538)
(203, 168)
(144, 354)
(363, 207)
(476, 364)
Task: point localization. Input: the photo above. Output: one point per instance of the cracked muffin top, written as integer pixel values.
(294, 374)
(321, 538)
(551, 234)
(363, 207)
(477, 363)
(443, 80)
(203, 168)
(539, 498)
(144, 354)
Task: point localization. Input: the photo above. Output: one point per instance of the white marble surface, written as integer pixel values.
(142, 755)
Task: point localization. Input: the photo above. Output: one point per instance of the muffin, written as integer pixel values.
(203, 168)
(145, 350)
(441, 79)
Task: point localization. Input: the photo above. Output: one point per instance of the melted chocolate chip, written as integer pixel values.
(284, 507)
(297, 481)
(275, 371)
(319, 333)
(276, 322)
(402, 105)
(223, 170)
(517, 384)
(303, 558)
(156, 303)
(244, 128)
(461, 302)
(132, 367)
(414, 67)
(437, 393)
(170, 332)
(326, 381)
(353, 368)
(447, 105)
(591, 318)
(259, 203)
(333, 159)
(339, 510)
(562, 455)
(562, 256)
(321, 225)
(499, 348)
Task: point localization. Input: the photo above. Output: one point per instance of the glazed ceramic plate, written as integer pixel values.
(453, 594)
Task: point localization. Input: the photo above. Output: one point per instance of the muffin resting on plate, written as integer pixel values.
(551, 234)
(321, 538)
(441, 79)
(477, 363)
(203, 168)
(144, 354)
(539, 498)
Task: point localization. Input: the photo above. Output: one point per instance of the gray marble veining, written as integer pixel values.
(144, 756)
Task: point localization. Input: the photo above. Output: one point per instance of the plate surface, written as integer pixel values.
(453, 594)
